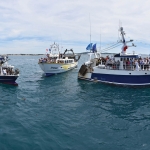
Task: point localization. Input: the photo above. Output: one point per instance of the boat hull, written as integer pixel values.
(9, 79)
(53, 68)
(119, 77)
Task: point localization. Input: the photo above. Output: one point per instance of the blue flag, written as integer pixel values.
(94, 48)
(89, 47)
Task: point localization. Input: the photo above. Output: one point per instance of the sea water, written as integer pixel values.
(62, 112)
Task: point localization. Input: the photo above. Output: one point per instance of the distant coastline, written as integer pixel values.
(27, 54)
(44, 54)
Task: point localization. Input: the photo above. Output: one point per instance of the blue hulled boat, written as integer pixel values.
(8, 74)
(121, 69)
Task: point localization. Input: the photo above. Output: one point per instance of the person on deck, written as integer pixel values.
(4, 72)
(137, 65)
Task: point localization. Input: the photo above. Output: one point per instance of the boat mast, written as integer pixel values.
(90, 32)
(125, 46)
(122, 34)
(100, 42)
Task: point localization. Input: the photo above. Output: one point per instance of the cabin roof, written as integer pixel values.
(126, 56)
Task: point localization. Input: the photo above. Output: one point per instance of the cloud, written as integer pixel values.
(30, 26)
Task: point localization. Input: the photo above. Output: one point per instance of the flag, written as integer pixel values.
(89, 47)
(49, 49)
(46, 49)
(94, 48)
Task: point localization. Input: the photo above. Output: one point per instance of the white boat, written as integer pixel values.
(121, 69)
(8, 74)
(56, 62)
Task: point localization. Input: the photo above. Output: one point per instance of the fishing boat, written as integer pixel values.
(56, 62)
(121, 69)
(8, 74)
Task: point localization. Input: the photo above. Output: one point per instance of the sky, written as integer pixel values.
(31, 26)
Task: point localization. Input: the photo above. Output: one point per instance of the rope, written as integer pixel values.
(111, 47)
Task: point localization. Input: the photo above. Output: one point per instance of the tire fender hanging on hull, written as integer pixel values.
(83, 70)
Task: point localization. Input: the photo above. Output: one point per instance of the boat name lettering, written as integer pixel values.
(54, 67)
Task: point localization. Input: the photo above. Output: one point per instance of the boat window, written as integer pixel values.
(120, 59)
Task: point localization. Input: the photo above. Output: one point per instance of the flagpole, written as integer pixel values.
(100, 41)
(90, 32)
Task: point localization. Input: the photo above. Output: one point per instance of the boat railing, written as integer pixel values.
(127, 67)
(9, 71)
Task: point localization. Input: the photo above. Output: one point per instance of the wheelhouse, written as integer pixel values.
(119, 57)
(65, 61)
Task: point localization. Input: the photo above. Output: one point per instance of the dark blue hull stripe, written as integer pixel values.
(49, 74)
(8, 79)
(122, 79)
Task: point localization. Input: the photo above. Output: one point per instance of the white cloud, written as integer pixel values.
(30, 26)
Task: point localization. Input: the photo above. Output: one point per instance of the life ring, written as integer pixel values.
(125, 47)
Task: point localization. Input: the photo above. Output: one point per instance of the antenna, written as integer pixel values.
(100, 41)
(60, 42)
(90, 29)
(120, 25)
(118, 32)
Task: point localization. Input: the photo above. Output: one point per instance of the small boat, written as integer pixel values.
(56, 62)
(8, 74)
(121, 69)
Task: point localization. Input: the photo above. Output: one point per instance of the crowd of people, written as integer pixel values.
(8, 71)
(49, 60)
(128, 63)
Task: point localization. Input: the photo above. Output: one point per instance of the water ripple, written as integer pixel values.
(62, 112)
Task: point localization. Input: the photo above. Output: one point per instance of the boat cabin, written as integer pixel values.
(125, 61)
(125, 57)
(65, 61)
